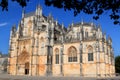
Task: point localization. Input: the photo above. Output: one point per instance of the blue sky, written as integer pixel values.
(13, 16)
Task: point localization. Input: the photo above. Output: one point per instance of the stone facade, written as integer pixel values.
(41, 46)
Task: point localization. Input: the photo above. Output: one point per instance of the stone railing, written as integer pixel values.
(57, 42)
(71, 39)
(67, 40)
(89, 38)
(25, 37)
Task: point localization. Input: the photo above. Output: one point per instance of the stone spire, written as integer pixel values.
(52, 35)
(23, 13)
(92, 23)
(72, 24)
(50, 18)
(14, 30)
(82, 21)
(39, 10)
(62, 33)
(99, 27)
(56, 22)
(62, 25)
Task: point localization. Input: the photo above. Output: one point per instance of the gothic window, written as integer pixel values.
(72, 55)
(90, 54)
(43, 27)
(57, 56)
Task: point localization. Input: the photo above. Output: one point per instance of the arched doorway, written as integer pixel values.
(26, 68)
(23, 63)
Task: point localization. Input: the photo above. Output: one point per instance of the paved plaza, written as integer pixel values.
(6, 76)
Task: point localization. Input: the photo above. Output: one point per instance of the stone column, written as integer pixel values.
(80, 50)
(17, 57)
(61, 60)
(97, 60)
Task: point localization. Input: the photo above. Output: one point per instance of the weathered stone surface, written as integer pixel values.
(43, 47)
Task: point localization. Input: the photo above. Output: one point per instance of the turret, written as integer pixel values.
(52, 35)
(56, 22)
(50, 18)
(23, 13)
(81, 34)
(20, 28)
(109, 40)
(72, 24)
(99, 32)
(38, 10)
(62, 33)
(13, 31)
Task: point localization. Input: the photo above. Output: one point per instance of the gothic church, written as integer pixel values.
(41, 46)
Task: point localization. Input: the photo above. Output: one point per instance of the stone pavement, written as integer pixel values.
(6, 76)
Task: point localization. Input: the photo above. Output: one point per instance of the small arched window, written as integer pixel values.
(56, 56)
(90, 53)
(72, 55)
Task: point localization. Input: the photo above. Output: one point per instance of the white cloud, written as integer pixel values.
(3, 24)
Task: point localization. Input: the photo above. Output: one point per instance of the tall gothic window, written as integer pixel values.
(72, 55)
(57, 56)
(90, 54)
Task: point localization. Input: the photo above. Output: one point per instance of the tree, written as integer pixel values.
(117, 64)
(96, 7)
(4, 3)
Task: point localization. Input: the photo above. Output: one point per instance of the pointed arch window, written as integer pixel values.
(56, 56)
(90, 54)
(72, 55)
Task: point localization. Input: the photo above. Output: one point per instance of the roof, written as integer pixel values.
(80, 23)
(29, 14)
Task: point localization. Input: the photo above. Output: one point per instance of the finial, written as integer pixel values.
(56, 22)
(50, 17)
(82, 21)
(50, 14)
(23, 13)
(72, 24)
(62, 25)
(99, 26)
(14, 28)
(38, 10)
(92, 23)
(39, 6)
(68, 27)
